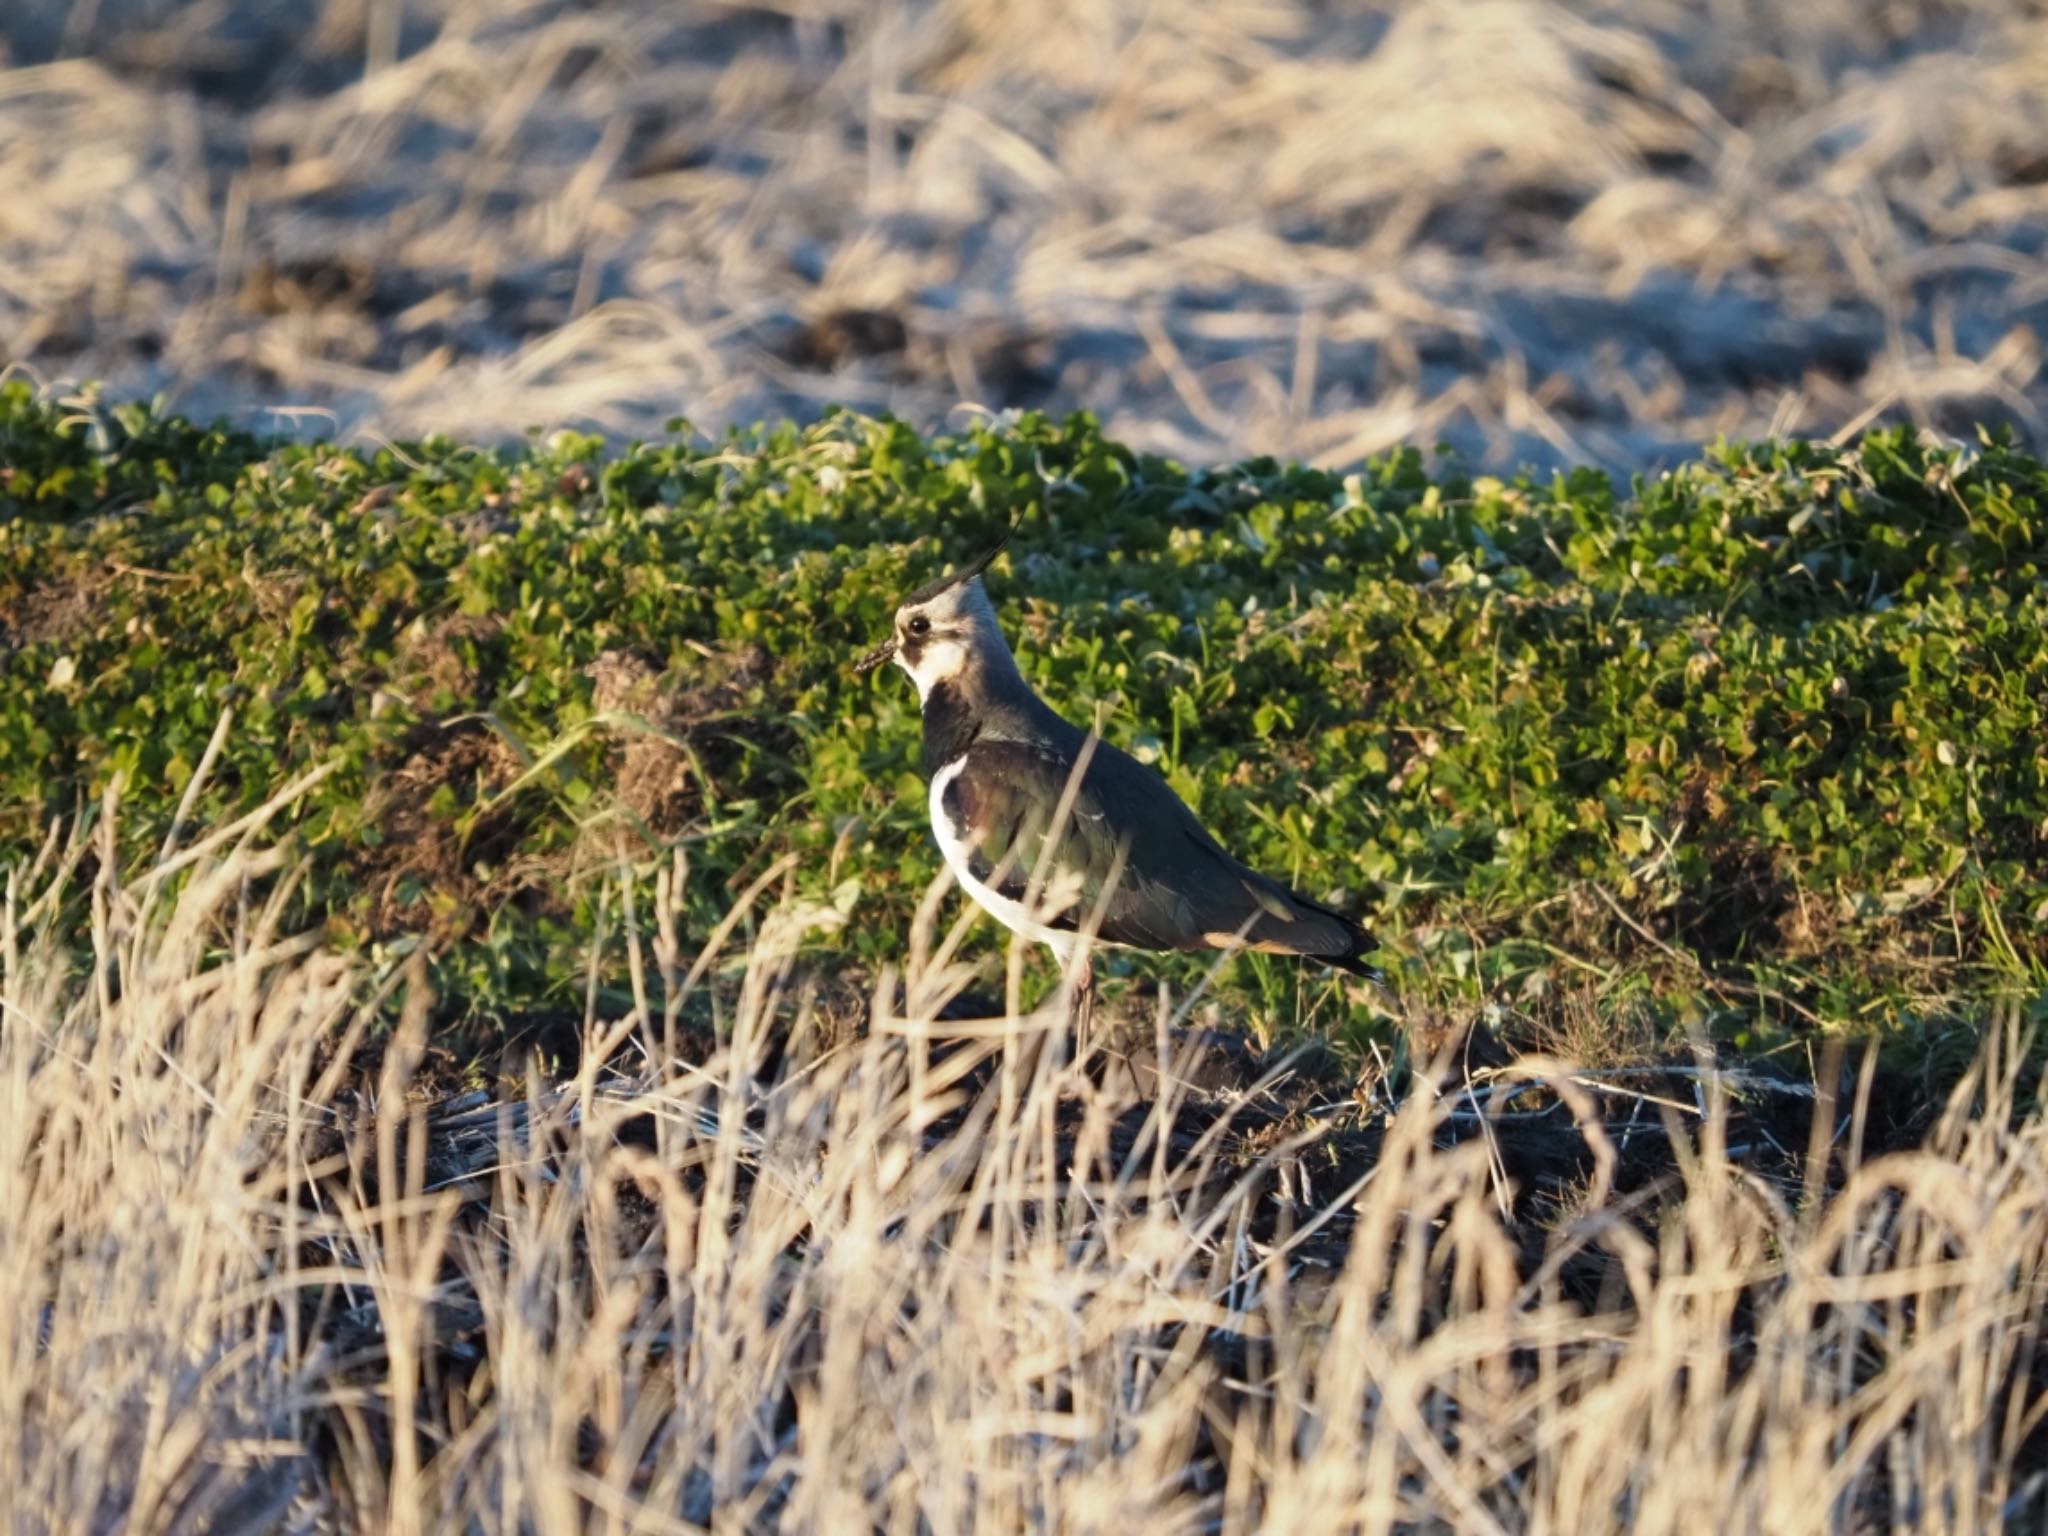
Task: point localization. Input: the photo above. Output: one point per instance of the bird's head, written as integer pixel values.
(944, 630)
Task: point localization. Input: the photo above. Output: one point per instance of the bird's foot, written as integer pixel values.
(1084, 1007)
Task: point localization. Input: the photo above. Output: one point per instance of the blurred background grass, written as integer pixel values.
(1790, 686)
(1544, 232)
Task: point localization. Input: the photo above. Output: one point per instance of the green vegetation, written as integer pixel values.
(1760, 742)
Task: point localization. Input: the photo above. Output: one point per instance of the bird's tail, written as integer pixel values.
(1357, 944)
(1290, 923)
(1355, 963)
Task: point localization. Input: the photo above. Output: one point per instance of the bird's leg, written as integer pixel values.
(1084, 1004)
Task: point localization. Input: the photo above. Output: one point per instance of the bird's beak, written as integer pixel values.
(875, 658)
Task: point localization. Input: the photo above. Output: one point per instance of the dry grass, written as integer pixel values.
(1548, 229)
(254, 1276)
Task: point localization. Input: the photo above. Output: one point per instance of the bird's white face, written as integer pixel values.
(929, 653)
(941, 637)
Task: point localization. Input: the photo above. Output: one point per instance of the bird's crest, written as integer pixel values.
(966, 573)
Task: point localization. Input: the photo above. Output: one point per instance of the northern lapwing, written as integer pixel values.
(1129, 862)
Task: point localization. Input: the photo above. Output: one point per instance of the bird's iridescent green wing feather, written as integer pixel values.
(1130, 851)
(1004, 802)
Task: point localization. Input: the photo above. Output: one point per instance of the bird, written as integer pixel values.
(1063, 837)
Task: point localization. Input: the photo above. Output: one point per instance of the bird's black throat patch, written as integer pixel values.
(950, 726)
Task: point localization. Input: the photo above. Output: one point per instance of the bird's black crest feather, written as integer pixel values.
(968, 572)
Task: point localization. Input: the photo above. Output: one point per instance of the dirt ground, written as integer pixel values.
(1560, 1137)
(1544, 232)
(1285, 1140)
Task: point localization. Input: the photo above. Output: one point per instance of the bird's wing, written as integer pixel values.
(1003, 804)
(1232, 904)
(1129, 850)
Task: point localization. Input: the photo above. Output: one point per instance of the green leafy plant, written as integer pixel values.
(1763, 736)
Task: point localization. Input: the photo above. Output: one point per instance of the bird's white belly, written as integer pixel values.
(1012, 914)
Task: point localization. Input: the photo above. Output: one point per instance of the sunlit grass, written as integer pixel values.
(253, 1277)
(1550, 231)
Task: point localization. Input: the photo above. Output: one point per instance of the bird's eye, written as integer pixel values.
(920, 625)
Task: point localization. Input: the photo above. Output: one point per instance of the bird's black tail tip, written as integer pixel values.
(1354, 964)
(1356, 942)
